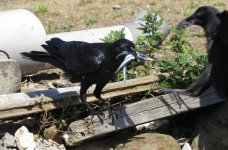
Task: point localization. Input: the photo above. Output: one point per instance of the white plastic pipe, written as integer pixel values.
(21, 31)
(92, 35)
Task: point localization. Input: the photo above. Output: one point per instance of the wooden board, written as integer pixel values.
(136, 114)
(18, 104)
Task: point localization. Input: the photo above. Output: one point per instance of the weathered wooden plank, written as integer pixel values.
(33, 102)
(138, 113)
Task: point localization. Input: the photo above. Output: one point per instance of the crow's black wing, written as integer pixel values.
(81, 57)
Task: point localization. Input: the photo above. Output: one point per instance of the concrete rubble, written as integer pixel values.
(24, 140)
(10, 76)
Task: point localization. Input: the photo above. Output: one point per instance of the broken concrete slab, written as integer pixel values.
(10, 76)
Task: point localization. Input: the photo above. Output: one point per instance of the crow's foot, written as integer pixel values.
(107, 106)
(100, 115)
(176, 93)
(178, 98)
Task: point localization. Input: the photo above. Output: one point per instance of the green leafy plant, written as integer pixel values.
(151, 36)
(184, 64)
(114, 36)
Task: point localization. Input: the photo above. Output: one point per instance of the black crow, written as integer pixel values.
(88, 63)
(218, 57)
(205, 17)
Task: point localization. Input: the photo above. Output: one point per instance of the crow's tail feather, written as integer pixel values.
(36, 56)
(43, 57)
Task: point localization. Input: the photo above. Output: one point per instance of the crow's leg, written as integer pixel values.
(97, 94)
(84, 87)
(196, 89)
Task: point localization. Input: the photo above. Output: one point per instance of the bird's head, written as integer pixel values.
(204, 16)
(125, 52)
(124, 47)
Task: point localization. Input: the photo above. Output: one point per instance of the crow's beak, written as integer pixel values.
(187, 22)
(143, 57)
(130, 57)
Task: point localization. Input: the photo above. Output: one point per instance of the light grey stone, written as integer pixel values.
(44, 144)
(116, 7)
(24, 139)
(10, 76)
(2, 148)
(9, 141)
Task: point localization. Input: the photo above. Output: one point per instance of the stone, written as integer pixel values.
(2, 148)
(115, 7)
(53, 134)
(150, 141)
(10, 76)
(211, 131)
(130, 141)
(9, 141)
(43, 144)
(154, 125)
(24, 139)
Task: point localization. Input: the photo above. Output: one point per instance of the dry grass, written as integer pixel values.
(63, 15)
(71, 15)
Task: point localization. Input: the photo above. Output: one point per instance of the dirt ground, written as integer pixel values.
(69, 15)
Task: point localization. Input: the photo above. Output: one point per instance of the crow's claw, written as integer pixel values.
(100, 115)
(107, 106)
(178, 98)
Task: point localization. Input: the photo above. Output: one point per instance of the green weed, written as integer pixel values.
(91, 22)
(114, 36)
(219, 4)
(51, 28)
(84, 2)
(42, 9)
(151, 36)
(184, 65)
